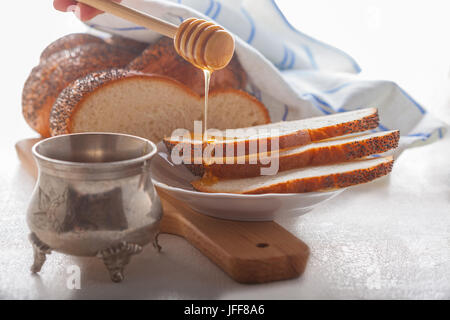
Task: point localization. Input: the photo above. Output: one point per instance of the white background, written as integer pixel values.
(400, 40)
(389, 239)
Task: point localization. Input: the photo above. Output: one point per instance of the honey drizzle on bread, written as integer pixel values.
(161, 58)
(163, 104)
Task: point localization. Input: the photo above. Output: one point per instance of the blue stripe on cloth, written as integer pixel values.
(286, 110)
(321, 101)
(352, 61)
(252, 25)
(288, 61)
(97, 26)
(426, 135)
(282, 64)
(421, 109)
(292, 62)
(320, 108)
(423, 136)
(216, 14)
(383, 128)
(407, 96)
(211, 6)
(333, 90)
(316, 102)
(440, 133)
(310, 57)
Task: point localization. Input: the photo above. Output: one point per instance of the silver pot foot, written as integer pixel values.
(117, 257)
(40, 251)
(155, 242)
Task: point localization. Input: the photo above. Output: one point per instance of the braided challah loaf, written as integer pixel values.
(147, 105)
(59, 67)
(68, 42)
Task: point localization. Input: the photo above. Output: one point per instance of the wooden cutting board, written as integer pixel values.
(249, 252)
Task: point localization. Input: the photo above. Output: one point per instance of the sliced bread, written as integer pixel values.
(319, 153)
(317, 178)
(150, 106)
(281, 135)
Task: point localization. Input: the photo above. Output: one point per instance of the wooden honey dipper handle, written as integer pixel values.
(140, 18)
(202, 43)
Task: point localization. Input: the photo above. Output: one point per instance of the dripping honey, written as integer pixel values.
(207, 74)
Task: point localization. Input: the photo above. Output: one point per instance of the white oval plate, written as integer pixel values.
(176, 181)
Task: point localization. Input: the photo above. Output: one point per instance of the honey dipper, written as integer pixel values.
(202, 43)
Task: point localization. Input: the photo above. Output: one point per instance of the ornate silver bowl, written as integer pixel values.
(94, 197)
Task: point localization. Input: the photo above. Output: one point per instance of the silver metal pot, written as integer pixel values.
(94, 197)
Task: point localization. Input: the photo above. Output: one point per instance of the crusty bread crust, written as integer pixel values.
(319, 183)
(290, 139)
(310, 157)
(161, 58)
(196, 169)
(367, 123)
(132, 45)
(68, 42)
(47, 80)
(65, 106)
(340, 180)
(297, 138)
(76, 55)
(72, 97)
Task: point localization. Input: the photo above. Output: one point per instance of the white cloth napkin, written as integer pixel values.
(294, 75)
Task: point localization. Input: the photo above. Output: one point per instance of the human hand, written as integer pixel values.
(81, 10)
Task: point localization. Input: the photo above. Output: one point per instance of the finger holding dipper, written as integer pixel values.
(203, 43)
(81, 10)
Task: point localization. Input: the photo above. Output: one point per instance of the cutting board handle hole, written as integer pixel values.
(262, 245)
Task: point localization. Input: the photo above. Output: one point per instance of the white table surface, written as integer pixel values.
(387, 239)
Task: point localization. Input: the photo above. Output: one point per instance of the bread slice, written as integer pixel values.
(161, 58)
(53, 74)
(308, 179)
(281, 135)
(318, 153)
(150, 106)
